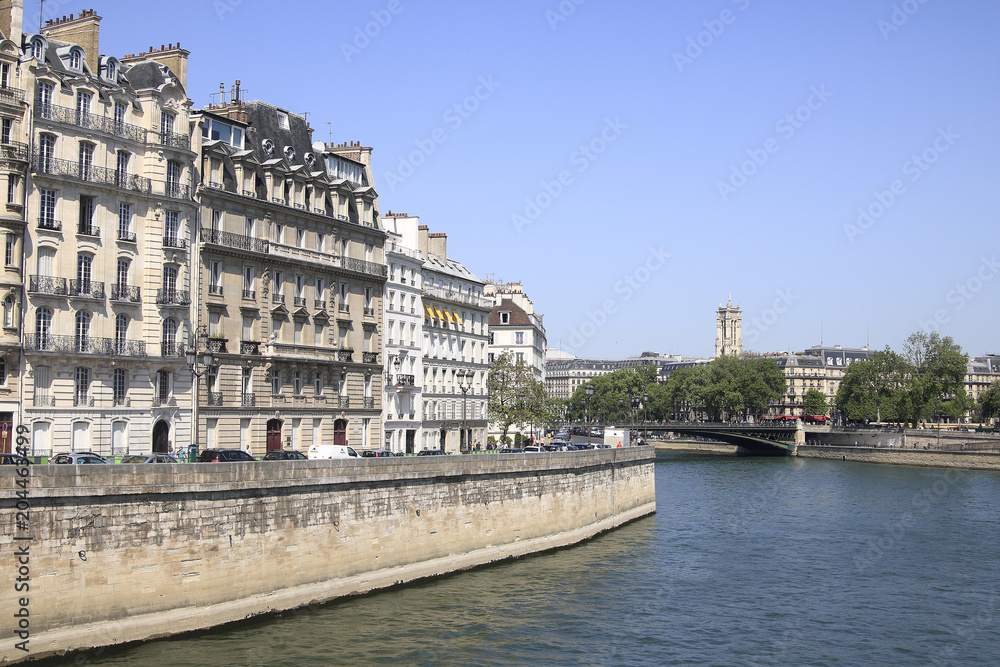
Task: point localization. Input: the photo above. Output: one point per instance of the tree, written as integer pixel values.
(814, 403)
(936, 369)
(870, 387)
(512, 393)
(989, 402)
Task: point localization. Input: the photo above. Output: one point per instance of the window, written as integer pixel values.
(43, 382)
(248, 327)
(87, 206)
(119, 118)
(343, 247)
(278, 284)
(318, 334)
(6, 125)
(125, 222)
(215, 277)
(82, 385)
(171, 230)
(282, 120)
(74, 59)
(297, 382)
(505, 317)
(246, 380)
(216, 130)
(121, 333)
(173, 178)
(369, 252)
(120, 386)
(320, 242)
(279, 232)
(248, 282)
(276, 323)
(9, 305)
(83, 108)
(163, 386)
(300, 287)
(170, 281)
(10, 242)
(320, 289)
(46, 152)
(37, 50)
(216, 220)
(166, 125)
(86, 162)
(84, 264)
(520, 357)
(519, 338)
(43, 326)
(300, 238)
(275, 383)
(297, 332)
(47, 209)
(248, 227)
(83, 331)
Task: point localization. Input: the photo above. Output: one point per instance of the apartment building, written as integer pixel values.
(515, 327)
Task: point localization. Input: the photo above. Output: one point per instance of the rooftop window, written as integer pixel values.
(213, 129)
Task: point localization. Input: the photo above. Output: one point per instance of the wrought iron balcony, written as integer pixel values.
(176, 190)
(86, 289)
(127, 348)
(126, 236)
(125, 293)
(405, 380)
(299, 301)
(368, 402)
(88, 230)
(361, 266)
(121, 402)
(369, 357)
(345, 355)
(168, 349)
(369, 311)
(83, 401)
(174, 241)
(173, 140)
(277, 298)
(238, 241)
(249, 347)
(344, 308)
(13, 150)
(12, 96)
(90, 121)
(172, 297)
(88, 172)
(35, 342)
(49, 223)
(249, 400)
(164, 401)
(344, 401)
(250, 294)
(215, 398)
(217, 344)
(47, 285)
(215, 290)
(319, 304)
(44, 401)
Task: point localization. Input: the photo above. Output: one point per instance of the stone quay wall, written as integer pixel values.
(124, 553)
(910, 457)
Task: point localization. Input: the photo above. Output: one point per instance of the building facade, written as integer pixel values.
(515, 327)
(455, 391)
(729, 330)
(107, 247)
(289, 284)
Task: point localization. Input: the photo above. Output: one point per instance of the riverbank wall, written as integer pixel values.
(912, 457)
(685, 445)
(122, 553)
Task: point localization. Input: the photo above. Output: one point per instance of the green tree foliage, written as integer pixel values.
(989, 402)
(516, 397)
(612, 398)
(936, 369)
(872, 388)
(814, 403)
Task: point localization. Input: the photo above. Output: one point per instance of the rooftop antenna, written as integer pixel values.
(330, 124)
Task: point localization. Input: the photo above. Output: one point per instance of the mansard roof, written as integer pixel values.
(518, 316)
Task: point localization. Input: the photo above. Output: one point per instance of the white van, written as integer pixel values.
(331, 452)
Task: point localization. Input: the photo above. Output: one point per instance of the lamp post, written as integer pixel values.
(621, 407)
(645, 417)
(397, 362)
(589, 390)
(465, 384)
(198, 356)
(635, 408)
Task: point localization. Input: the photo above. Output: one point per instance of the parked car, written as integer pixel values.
(223, 455)
(77, 457)
(583, 445)
(374, 453)
(331, 452)
(149, 458)
(283, 455)
(13, 460)
(534, 448)
(430, 452)
(512, 450)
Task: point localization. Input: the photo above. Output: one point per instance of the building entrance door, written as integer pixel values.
(273, 434)
(161, 437)
(411, 437)
(340, 432)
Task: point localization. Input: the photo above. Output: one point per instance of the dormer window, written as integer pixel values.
(75, 59)
(37, 49)
(505, 317)
(282, 120)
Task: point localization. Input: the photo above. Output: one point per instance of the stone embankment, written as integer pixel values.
(911, 457)
(121, 553)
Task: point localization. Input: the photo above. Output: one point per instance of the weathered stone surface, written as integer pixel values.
(911, 457)
(123, 553)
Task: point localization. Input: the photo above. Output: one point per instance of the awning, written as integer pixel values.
(438, 314)
(447, 315)
(458, 320)
(430, 313)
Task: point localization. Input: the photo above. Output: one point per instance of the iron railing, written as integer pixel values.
(44, 401)
(171, 349)
(174, 241)
(175, 140)
(345, 355)
(361, 266)
(250, 294)
(172, 297)
(90, 121)
(49, 223)
(126, 293)
(249, 400)
(249, 347)
(215, 398)
(231, 240)
(345, 401)
(299, 301)
(35, 342)
(90, 173)
(369, 357)
(405, 380)
(47, 285)
(163, 401)
(176, 190)
(83, 401)
(121, 402)
(368, 402)
(87, 289)
(215, 290)
(319, 304)
(126, 236)
(88, 230)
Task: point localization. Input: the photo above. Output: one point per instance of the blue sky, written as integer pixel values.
(634, 163)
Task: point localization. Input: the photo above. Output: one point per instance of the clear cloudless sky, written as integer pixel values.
(694, 184)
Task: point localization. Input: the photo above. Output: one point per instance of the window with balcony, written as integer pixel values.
(168, 338)
(167, 124)
(172, 230)
(279, 232)
(321, 242)
(84, 267)
(300, 238)
(320, 293)
(369, 252)
(43, 327)
(47, 209)
(83, 100)
(125, 222)
(43, 385)
(88, 205)
(82, 386)
(215, 277)
(83, 319)
(277, 286)
(119, 117)
(121, 169)
(174, 171)
(248, 283)
(121, 333)
(169, 281)
(120, 386)
(248, 227)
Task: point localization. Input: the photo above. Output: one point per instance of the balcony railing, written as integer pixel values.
(250, 294)
(172, 297)
(344, 401)
(175, 140)
(369, 357)
(369, 311)
(238, 241)
(368, 402)
(83, 401)
(176, 190)
(249, 400)
(218, 345)
(90, 121)
(126, 293)
(47, 285)
(121, 402)
(174, 241)
(171, 349)
(86, 289)
(249, 347)
(344, 308)
(126, 236)
(300, 302)
(319, 304)
(405, 380)
(11, 95)
(13, 150)
(35, 342)
(215, 290)
(90, 173)
(215, 398)
(48, 223)
(164, 401)
(459, 297)
(88, 230)
(44, 401)
(345, 355)
(361, 266)
(277, 298)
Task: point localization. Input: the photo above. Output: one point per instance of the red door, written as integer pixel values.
(273, 434)
(340, 432)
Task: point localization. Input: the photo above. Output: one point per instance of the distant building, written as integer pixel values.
(563, 376)
(729, 330)
(515, 327)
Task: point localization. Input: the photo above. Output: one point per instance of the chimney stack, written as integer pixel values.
(171, 55)
(83, 30)
(11, 18)
(422, 239)
(438, 244)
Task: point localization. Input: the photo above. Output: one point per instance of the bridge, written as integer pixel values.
(756, 439)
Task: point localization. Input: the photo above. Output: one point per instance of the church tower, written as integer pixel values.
(729, 330)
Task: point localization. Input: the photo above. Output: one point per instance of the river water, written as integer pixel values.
(748, 561)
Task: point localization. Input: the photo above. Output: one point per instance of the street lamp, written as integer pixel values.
(645, 418)
(635, 408)
(621, 407)
(465, 384)
(589, 390)
(199, 356)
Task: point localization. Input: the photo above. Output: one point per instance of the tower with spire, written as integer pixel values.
(729, 330)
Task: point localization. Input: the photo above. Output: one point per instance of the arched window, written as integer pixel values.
(3, 372)
(121, 333)
(43, 325)
(8, 311)
(168, 342)
(83, 331)
(75, 59)
(37, 49)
